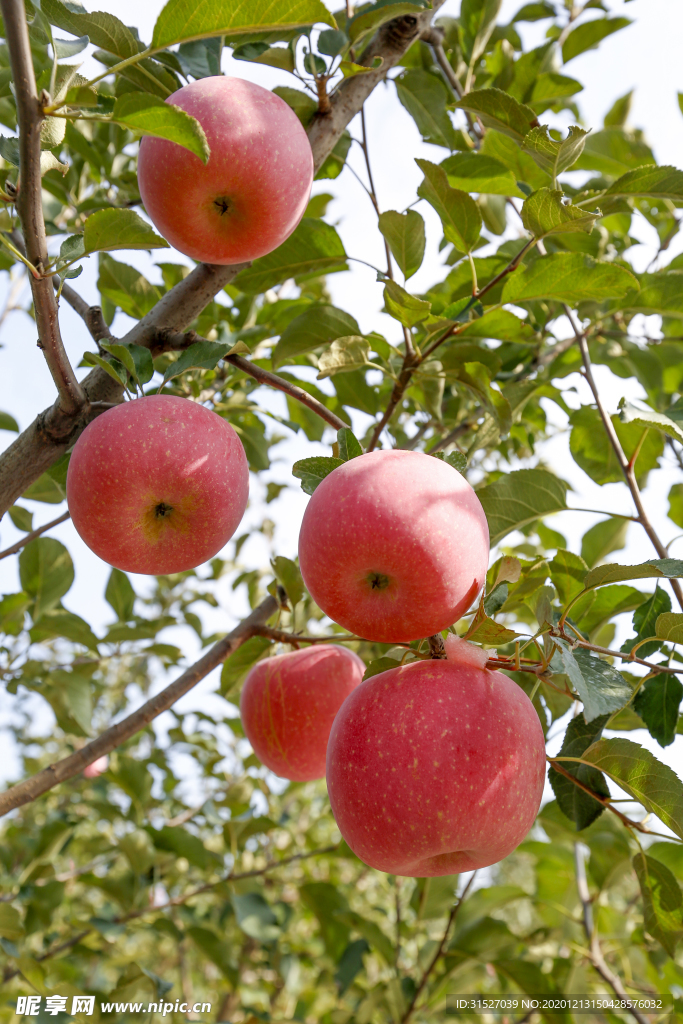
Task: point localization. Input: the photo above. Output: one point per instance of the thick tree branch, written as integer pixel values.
(68, 767)
(71, 398)
(51, 434)
(596, 956)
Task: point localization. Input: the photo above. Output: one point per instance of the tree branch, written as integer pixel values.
(33, 534)
(627, 469)
(68, 767)
(91, 315)
(439, 952)
(596, 956)
(53, 432)
(71, 397)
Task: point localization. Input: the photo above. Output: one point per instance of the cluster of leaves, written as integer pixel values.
(147, 895)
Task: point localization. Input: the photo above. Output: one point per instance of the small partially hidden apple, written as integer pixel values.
(288, 704)
(96, 768)
(157, 485)
(435, 768)
(394, 546)
(253, 191)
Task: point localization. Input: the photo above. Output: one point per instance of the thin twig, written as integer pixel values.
(596, 956)
(627, 469)
(439, 952)
(373, 191)
(30, 207)
(28, 790)
(91, 315)
(33, 534)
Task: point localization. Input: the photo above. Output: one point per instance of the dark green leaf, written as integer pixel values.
(120, 595)
(576, 804)
(602, 689)
(182, 20)
(239, 663)
(425, 98)
(405, 236)
(657, 703)
(288, 574)
(590, 34)
(314, 248)
(519, 498)
(313, 471)
(662, 901)
(498, 110)
(592, 451)
(46, 572)
(603, 538)
(404, 307)
(568, 277)
(349, 445)
(474, 173)
(8, 422)
(459, 213)
(316, 326)
(110, 229)
(544, 213)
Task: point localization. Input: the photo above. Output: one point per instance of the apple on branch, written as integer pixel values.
(289, 702)
(157, 485)
(394, 546)
(435, 767)
(254, 189)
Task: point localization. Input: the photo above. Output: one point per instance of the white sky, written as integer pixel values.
(646, 56)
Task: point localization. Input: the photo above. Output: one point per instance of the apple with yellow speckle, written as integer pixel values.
(435, 767)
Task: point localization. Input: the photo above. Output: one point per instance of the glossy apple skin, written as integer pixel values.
(254, 189)
(289, 702)
(157, 485)
(435, 768)
(394, 546)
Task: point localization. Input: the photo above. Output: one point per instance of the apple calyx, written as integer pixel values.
(162, 510)
(378, 580)
(223, 205)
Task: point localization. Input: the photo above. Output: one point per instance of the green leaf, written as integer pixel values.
(645, 418)
(577, 805)
(645, 622)
(316, 326)
(60, 622)
(8, 422)
(379, 665)
(670, 568)
(182, 20)
(550, 87)
(652, 181)
(589, 35)
(459, 213)
(497, 109)
(344, 355)
(201, 58)
(93, 359)
(119, 594)
(642, 776)
(500, 324)
(603, 538)
(658, 700)
(256, 917)
(676, 504)
(519, 498)
(568, 277)
(472, 172)
(288, 574)
(239, 663)
(303, 105)
(490, 633)
(555, 157)
(126, 287)
(602, 689)
(46, 489)
(349, 445)
(374, 15)
(669, 627)
(204, 354)
(11, 926)
(477, 22)
(405, 236)
(150, 115)
(477, 377)
(370, 931)
(544, 213)
(46, 573)
(592, 451)
(313, 471)
(458, 460)
(662, 901)
(314, 248)
(103, 30)
(567, 572)
(21, 518)
(426, 97)
(170, 838)
(331, 42)
(404, 307)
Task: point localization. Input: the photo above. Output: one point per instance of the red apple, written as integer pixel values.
(435, 768)
(157, 485)
(288, 704)
(253, 191)
(394, 545)
(96, 767)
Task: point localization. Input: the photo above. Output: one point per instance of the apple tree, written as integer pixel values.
(114, 884)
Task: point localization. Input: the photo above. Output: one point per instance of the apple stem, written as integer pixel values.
(437, 648)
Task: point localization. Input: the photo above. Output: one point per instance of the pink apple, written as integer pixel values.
(435, 768)
(157, 485)
(253, 191)
(288, 704)
(394, 546)
(96, 767)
